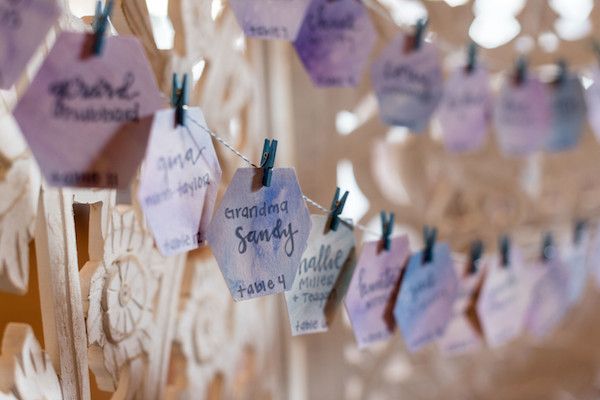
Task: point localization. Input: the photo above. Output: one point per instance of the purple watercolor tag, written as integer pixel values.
(592, 97)
(87, 118)
(179, 181)
(373, 288)
(258, 234)
(323, 277)
(522, 116)
(23, 26)
(568, 114)
(465, 110)
(335, 41)
(408, 83)
(270, 19)
(424, 305)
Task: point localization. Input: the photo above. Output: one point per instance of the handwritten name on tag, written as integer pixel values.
(179, 181)
(373, 290)
(335, 41)
(465, 110)
(258, 234)
(592, 97)
(568, 114)
(23, 26)
(408, 84)
(323, 277)
(522, 116)
(86, 117)
(270, 19)
(424, 305)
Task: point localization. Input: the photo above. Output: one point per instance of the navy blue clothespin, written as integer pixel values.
(100, 24)
(520, 70)
(580, 226)
(471, 57)
(562, 72)
(429, 236)
(268, 160)
(475, 255)
(547, 247)
(387, 226)
(337, 206)
(504, 251)
(420, 32)
(179, 98)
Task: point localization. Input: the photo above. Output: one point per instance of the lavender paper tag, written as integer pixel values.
(323, 277)
(373, 290)
(335, 41)
(179, 181)
(568, 114)
(592, 97)
(424, 305)
(408, 83)
(258, 234)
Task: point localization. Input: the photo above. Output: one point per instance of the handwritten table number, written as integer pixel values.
(87, 117)
(373, 288)
(23, 26)
(424, 305)
(323, 277)
(335, 41)
(258, 234)
(568, 114)
(179, 181)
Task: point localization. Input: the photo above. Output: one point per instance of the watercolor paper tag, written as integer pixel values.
(335, 41)
(424, 305)
(577, 268)
(592, 97)
(179, 181)
(87, 117)
(270, 19)
(323, 277)
(522, 116)
(373, 290)
(258, 234)
(23, 26)
(568, 114)
(465, 110)
(408, 83)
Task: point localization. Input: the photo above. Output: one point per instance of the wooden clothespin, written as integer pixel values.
(179, 98)
(268, 160)
(337, 207)
(387, 226)
(520, 70)
(471, 58)
(429, 237)
(100, 24)
(420, 28)
(547, 247)
(475, 256)
(504, 251)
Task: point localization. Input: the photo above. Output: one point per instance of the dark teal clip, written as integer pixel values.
(337, 206)
(387, 226)
(179, 98)
(475, 256)
(268, 160)
(429, 237)
(563, 72)
(420, 32)
(471, 57)
(520, 70)
(547, 247)
(100, 24)
(505, 251)
(580, 227)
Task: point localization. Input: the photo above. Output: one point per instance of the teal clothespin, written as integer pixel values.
(268, 160)
(504, 251)
(547, 247)
(580, 227)
(420, 28)
(387, 226)
(179, 98)
(429, 236)
(562, 71)
(471, 57)
(100, 24)
(475, 256)
(337, 206)
(520, 70)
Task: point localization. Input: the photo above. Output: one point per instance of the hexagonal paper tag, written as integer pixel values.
(522, 116)
(23, 26)
(465, 110)
(270, 19)
(424, 305)
(373, 290)
(258, 234)
(335, 41)
(323, 277)
(179, 181)
(408, 83)
(87, 117)
(592, 97)
(568, 114)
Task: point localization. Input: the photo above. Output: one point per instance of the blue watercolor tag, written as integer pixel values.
(568, 114)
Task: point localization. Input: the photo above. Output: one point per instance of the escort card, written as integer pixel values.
(335, 41)
(465, 110)
(270, 19)
(577, 267)
(424, 305)
(373, 290)
(179, 181)
(23, 26)
(87, 117)
(323, 277)
(408, 83)
(568, 114)
(258, 234)
(522, 116)
(592, 97)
